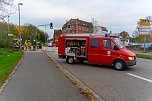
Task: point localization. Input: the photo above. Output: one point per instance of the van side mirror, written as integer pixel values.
(115, 47)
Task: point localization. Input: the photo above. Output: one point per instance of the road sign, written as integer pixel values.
(144, 22)
(144, 30)
(10, 34)
(144, 33)
(144, 27)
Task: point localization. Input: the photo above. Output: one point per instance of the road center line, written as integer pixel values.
(139, 77)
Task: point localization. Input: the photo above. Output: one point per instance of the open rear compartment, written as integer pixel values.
(76, 47)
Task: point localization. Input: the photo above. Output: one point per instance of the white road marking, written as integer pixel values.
(139, 77)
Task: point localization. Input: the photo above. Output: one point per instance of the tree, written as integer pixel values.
(5, 5)
(141, 38)
(28, 32)
(124, 35)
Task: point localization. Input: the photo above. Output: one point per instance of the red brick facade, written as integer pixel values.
(77, 26)
(57, 33)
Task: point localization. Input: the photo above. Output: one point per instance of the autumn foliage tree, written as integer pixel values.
(141, 38)
(28, 32)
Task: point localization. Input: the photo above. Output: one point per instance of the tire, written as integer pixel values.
(119, 65)
(70, 60)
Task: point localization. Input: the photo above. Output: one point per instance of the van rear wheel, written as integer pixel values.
(119, 65)
(70, 60)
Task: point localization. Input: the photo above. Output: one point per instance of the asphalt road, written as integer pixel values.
(133, 84)
(38, 79)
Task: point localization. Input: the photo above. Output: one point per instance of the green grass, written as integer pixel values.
(8, 60)
(144, 56)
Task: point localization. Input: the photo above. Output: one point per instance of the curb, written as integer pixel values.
(11, 75)
(85, 90)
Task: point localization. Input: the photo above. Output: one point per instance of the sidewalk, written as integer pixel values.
(140, 52)
(38, 79)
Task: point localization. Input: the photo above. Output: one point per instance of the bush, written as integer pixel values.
(144, 56)
(5, 41)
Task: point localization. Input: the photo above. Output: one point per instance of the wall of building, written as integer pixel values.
(77, 26)
(100, 30)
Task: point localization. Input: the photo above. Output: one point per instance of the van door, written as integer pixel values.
(93, 50)
(107, 52)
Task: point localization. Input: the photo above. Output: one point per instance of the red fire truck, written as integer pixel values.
(95, 49)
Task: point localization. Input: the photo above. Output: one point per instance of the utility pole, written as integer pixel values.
(8, 23)
(145, 43)
(19, 25)
(45, 35)
(6, 40)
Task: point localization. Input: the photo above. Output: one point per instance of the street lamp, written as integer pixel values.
(19, 23)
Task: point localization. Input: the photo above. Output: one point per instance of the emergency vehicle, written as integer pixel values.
(95, 49)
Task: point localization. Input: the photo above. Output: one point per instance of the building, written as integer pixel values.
(100, 30)
(77, 26)
(57, 33)
(123, 36)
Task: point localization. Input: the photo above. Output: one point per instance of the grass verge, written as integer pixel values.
(8, 60)
(144, 56)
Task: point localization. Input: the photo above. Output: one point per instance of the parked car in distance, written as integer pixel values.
(148, 46)
(50, 44)
(55, 44)
(131, 44)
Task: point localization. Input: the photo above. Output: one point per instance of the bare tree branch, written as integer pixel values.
(5, 6)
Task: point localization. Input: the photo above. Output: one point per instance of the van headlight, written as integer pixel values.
(131, 58)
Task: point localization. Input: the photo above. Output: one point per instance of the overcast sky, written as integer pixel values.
(116, 15)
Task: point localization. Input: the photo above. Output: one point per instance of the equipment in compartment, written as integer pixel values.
(76, 47)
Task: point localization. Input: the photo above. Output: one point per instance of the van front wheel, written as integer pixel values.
(119, 65)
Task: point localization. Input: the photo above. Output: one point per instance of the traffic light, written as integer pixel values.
(51, 25)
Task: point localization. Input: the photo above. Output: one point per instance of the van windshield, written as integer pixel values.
(118, 42)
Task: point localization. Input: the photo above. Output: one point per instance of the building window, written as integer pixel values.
(94, 43)
(72, 22)
(72, 27)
